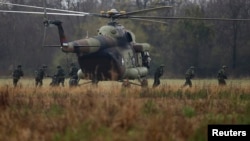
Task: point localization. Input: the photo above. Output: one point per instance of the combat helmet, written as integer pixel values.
(44, 66)
(224, 66)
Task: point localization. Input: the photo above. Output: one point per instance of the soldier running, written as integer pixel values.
(60, 75)
(189, 75)
(222, 75)
(157, 75)
(17, 74)
(39, 75)
(73, 81)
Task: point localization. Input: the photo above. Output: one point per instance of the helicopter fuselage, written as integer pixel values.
(111, 55)
(113, 62)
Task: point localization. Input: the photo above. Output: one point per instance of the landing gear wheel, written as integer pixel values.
(73, 82)
(144, 83)
(126, 84)
(95, 82)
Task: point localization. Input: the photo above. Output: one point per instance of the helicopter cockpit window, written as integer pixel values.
(108, 31)
(129, 37)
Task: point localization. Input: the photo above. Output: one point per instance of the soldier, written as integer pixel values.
(73, 81)
(157, 75)
(54, 81)
(39, 75)
(222, 75)
(17, 74)
(146, 59)
(189, 75)
(60, 75)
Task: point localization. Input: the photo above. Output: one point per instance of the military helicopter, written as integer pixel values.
(113, 54)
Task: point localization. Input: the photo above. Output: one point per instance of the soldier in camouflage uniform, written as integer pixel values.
(189, 75)
(60, 75)
(54, 81)
(157, 75)
(17, 74)
(39, 75)
(73, 81)
(222, 75)
(146, 59)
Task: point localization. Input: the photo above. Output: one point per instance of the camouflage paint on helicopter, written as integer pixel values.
(111, 55)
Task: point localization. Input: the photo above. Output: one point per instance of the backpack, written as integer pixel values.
(17, 73)
(39, 74)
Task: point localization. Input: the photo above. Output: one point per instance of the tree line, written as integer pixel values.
(180, 43)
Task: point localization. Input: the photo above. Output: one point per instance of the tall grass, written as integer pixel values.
(112, 113)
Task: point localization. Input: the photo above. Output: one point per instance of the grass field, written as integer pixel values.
(112, 113)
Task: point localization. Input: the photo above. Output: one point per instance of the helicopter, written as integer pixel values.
(113, 54)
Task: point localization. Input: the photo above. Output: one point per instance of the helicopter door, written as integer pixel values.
(128, 58)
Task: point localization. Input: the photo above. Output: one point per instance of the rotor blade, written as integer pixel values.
(61, 46)
(45, 10)
(41, 13)
(186, 18)
(146, 10)
(37, 7)
(98, 15)
(139, 19)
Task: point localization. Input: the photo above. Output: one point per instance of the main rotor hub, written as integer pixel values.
(113, 14)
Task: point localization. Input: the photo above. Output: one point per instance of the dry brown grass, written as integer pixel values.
(111, 113)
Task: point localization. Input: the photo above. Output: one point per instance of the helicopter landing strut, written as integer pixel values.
(143, 83)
